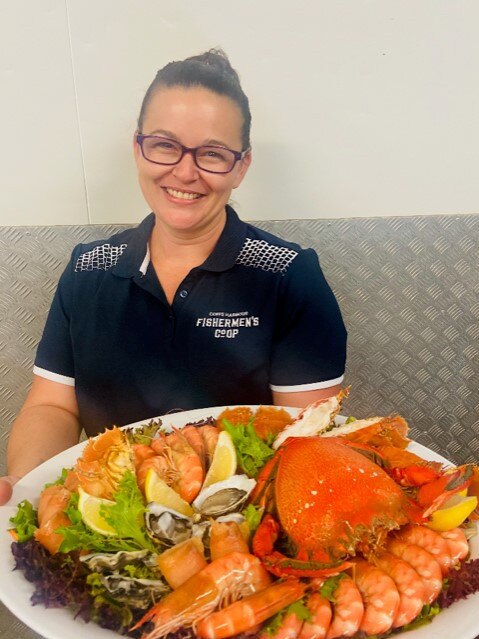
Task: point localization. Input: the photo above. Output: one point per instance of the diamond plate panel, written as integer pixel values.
(13, 628)
(407, 287)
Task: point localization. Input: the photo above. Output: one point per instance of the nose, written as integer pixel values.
(186, 169)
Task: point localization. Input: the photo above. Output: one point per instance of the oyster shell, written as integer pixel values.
(139, 593)
(224, 496)
(111, 562)
(167, 525)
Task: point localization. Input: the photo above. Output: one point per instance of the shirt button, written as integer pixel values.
(183, 293)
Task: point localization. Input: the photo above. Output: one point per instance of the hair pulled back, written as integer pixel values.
(211, 70)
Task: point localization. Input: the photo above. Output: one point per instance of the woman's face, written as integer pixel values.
(184, 198)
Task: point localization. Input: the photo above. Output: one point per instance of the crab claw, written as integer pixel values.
(278, 564)
(431, 496)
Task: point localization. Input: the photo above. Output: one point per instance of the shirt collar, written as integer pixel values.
(134, 260)
(229, 244)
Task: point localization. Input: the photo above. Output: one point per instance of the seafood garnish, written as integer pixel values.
(224, 496)
(167, 525)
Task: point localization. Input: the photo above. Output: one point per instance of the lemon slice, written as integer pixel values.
(157, 490)
(89, 508)
(223, 464)
(453, 513)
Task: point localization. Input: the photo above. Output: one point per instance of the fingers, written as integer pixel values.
(6, 488)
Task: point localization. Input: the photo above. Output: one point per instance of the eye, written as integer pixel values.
(163, 144)
(214, 154)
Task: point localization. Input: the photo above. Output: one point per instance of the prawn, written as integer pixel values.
(423, 563)
(195, 440)
(409, 584)
(348, 610)
(140, 453)
(158, 463)
(183, 468)
(318, 625)
(457, 544)
(245, 614)
(380, 597)
(223, 580)
(290, 628)
(430, 541)
(210, 436)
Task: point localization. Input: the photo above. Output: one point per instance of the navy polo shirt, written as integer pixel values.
(256, 316)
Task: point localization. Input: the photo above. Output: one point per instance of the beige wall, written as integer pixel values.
(360, 107)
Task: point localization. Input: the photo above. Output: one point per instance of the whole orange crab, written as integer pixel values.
(330, 502)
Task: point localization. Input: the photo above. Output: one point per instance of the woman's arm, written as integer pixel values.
(47, 424)
(303, 398)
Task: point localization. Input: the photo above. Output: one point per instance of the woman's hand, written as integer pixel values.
(6, 487)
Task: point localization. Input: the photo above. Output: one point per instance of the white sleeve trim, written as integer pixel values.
(54, 377)
(307, 387)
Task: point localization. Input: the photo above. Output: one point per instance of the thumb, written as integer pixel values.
(6, 487)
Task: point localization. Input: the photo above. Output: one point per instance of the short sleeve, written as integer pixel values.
(309, 351)
(54, 359)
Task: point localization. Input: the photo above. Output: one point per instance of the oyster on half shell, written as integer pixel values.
(139, 593)
(224, 496)
(112, 562)
(167, 525)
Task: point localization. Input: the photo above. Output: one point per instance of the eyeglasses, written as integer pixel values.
(210, 158)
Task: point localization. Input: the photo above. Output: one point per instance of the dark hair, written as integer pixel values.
(211, 70)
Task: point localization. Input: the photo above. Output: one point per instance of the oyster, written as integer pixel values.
(138, 593)
(167, 525)
(110, 562)
(224, 496)
(238, 518)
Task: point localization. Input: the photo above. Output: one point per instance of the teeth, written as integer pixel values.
(182, 195)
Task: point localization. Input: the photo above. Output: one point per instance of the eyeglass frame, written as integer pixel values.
(238, 155)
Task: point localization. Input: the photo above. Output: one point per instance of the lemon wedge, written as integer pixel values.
(223, 465)
(158, 490)
(89, 508)
(453, 513)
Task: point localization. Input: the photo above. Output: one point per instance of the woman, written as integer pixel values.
(193, 308)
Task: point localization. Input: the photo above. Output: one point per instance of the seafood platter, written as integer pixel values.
(246, 521)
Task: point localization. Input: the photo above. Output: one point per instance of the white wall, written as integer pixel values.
(360, 107)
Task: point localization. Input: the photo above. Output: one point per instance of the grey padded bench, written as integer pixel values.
(408, 289)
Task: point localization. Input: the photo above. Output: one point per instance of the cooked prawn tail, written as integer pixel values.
(246, 613)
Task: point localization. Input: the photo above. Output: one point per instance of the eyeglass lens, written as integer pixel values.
(210, 158)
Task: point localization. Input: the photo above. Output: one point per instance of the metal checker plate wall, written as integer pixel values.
(407, 287)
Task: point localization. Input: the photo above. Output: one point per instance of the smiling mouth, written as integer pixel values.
(182, 195)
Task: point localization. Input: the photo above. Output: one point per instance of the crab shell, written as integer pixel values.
(332, 500)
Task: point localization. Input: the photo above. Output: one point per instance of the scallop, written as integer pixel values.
(224, 496)
(138, 593)
(110, 562)
(167, 525)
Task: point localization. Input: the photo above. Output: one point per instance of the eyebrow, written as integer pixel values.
(172, 136)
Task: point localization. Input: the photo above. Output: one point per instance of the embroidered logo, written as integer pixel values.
(267, 257)
(227, 325)
(101, 258)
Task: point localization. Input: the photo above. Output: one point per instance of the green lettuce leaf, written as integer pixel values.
(126, 516)
(253, 516)
(251, 450)
(25, 522)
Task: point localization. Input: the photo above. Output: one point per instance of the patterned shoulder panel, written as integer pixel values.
(100, 258)
(265, 256)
